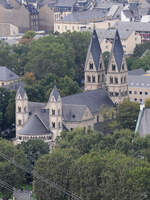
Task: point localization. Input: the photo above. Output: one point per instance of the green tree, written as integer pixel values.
(9, 172)
(33, 150)
(127, 113)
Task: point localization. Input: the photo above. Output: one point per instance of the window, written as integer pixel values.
(100, 66)
(111, 94)
(135, 99)
(111, 79)
(73, 28)
(140, 93)
(58, 111)
(97, 118)
(19, 109)
(141, 100)
(122, 66)
(93, 79)
(53, 124)
(19, 122)
(125, 79)
(88, 79)
(25, 109)
(58, 27)
(121, 80)
(98, 78)
(103, 77)
(113, 67)
(130, 92)
(116, 80)
(2, 84)
(65, 27)
(53, 112)
(135, 92)
(146, 93)
(116, 94)
(91, 66)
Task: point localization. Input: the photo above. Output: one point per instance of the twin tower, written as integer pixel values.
(115, 78)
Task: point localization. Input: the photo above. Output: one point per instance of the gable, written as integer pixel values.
(87, 114)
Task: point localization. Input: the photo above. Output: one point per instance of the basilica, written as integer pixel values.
(102, 87)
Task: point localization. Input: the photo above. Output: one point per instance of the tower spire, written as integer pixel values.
(94, 65)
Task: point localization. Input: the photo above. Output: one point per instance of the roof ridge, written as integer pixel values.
(35, 114)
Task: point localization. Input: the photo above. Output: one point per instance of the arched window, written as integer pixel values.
(111, 80)
(91, 66)
(103, 77)
(125, 79)
(121, 80)
(53, 125)
(116, 80)
(113, 67)
(19, 122)
(19, 109)
(98, 78)
(93, 79)
(53, 112)
(88, 79)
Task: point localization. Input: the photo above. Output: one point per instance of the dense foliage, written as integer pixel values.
(9, 173)
(96, 167)
(7, 113)
(33, 150)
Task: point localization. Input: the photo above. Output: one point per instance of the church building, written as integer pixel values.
(102, 88)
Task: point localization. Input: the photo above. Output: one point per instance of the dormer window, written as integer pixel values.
(91, 65)
(113, 67)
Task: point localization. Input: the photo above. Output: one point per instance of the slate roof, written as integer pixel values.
(110, 34)
(73, 113)
(85, 16)
(144, 125)
(136, 72)
(139, 81)
(117, 50)
(34, 126)
(136, 26)
(94, 99)
(7, 75)
(21, 91)
(94, 49)
(55, 93)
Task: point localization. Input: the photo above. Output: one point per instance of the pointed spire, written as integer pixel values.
(94, 49)
(21, 91)
(55, 93)
(117, 50)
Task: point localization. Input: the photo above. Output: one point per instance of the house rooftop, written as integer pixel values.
(7, 75)
(136, 26)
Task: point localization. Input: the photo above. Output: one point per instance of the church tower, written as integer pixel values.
(94, 70)
(22, 113)
(117, 72)
(55, 113)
